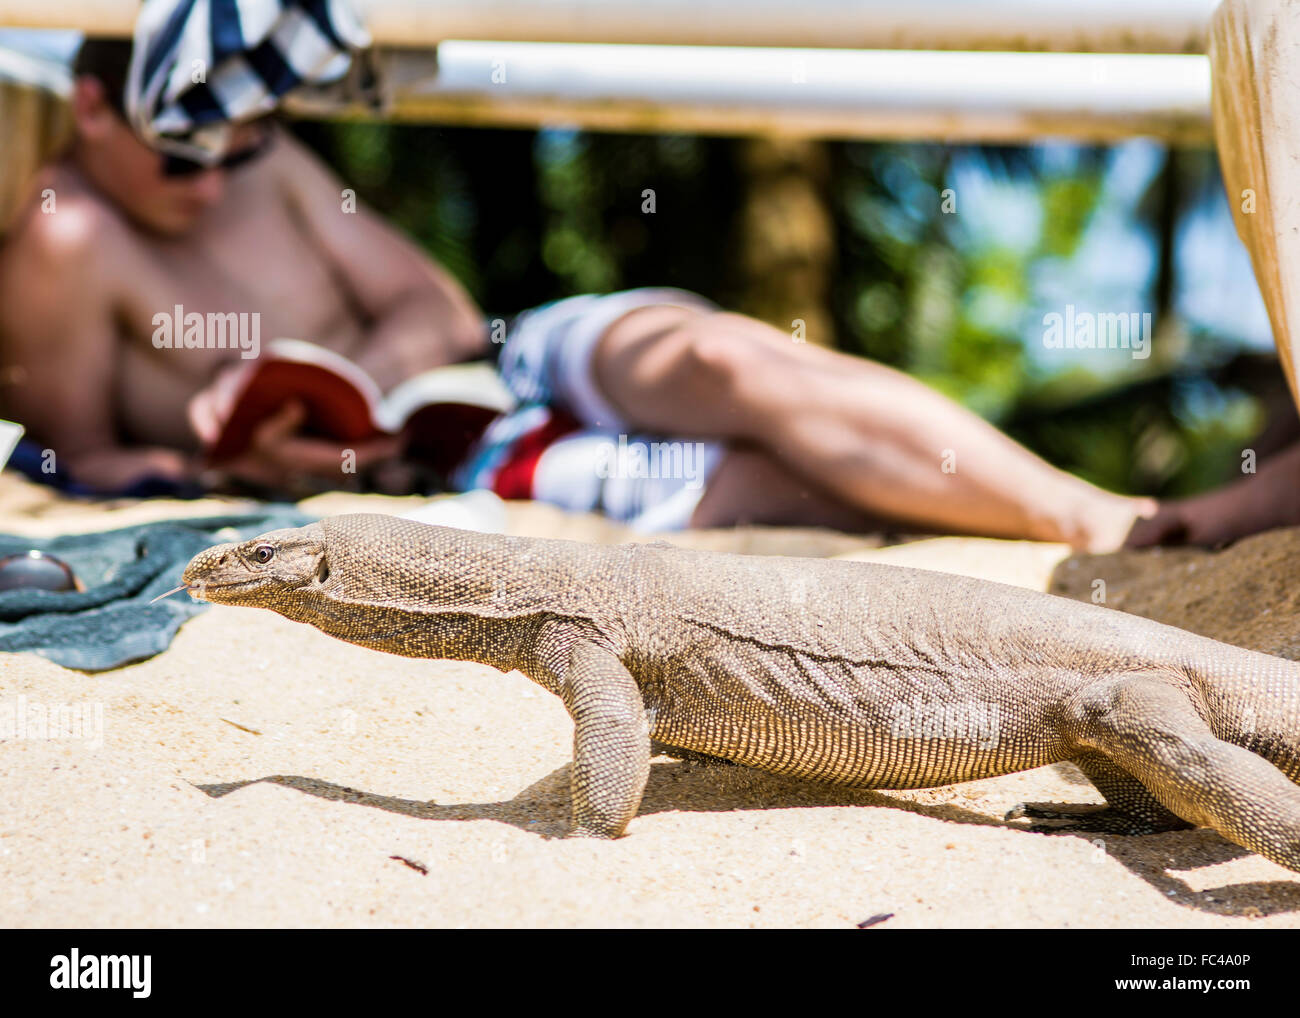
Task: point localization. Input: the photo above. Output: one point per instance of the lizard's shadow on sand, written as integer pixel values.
(1157, 857)
(678, 786)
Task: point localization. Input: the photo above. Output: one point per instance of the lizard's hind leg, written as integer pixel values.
(1148, 728)
(1129, 809)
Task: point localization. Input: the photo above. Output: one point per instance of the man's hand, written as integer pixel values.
(280, 457)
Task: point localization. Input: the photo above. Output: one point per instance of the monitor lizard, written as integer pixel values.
(858, 673)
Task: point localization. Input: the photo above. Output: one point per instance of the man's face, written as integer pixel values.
(131, 174)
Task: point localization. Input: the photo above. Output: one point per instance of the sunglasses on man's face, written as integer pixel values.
(179, 166)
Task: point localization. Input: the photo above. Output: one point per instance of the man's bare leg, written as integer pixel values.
(750, 487)
(1261, 501)
(877, 441)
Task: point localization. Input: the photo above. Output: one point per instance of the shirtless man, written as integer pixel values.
(79, 289)
(791, 433)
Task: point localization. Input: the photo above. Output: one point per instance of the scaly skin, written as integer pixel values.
(849, 672)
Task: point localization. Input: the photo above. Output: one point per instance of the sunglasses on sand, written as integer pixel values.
(37, 570)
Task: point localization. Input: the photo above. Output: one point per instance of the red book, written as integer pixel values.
(438, 412)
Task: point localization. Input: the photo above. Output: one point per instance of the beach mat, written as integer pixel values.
(111, 621)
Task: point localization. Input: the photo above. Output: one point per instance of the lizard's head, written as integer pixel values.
(267, 571)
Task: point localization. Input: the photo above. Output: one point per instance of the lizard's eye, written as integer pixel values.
(263, 553)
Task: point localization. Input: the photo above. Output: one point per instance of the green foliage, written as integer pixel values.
(911, 297)
(918, 292)
(522, 217)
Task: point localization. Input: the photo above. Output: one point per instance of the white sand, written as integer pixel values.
(259, 773)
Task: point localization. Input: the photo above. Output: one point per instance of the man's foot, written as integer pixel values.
(1103, 522)
(1261, 501)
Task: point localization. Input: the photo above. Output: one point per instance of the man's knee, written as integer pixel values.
(729, 349)
(706, 360)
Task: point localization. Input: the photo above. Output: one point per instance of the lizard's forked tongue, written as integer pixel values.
(174, 590)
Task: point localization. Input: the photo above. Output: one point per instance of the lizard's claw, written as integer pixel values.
(1057, 818)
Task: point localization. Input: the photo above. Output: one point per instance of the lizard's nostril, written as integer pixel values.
(221, 561)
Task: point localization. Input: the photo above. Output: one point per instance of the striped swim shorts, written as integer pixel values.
(565, 444)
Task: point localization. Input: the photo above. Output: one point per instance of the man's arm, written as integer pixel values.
(421, 317)
(60, 349)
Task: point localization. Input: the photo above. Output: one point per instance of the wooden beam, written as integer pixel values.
(1127, 26)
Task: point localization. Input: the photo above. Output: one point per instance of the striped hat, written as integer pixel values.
(200, 66)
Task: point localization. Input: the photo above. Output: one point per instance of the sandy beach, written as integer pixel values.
(259, 773)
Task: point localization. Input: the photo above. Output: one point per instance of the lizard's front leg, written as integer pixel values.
(611, 741)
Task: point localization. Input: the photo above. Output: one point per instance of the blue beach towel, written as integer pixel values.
(111, 622)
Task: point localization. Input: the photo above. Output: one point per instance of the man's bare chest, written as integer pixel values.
(260, 262)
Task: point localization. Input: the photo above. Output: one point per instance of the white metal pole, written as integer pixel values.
(812, 93)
